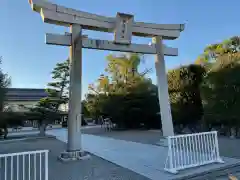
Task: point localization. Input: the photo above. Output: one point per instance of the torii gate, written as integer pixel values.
(123, 26)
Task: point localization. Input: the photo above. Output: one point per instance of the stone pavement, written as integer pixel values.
(141, 136)
(93, 169)
(147, 160)
(228, 147)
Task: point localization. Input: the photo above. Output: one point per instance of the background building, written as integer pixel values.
(18, 98)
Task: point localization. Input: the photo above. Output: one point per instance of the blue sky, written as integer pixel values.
(29, 61)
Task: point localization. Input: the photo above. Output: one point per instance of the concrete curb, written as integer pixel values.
(30, 138)
(155, 130)
(213, 174)
(33, 130)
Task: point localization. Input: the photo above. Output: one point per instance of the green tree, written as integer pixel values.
(213, 51)
(59, 88)
(184, 89)
(47, 109)
(124, 69)
(44, 112)
(57, 95)
(5, 82)
(124, 66)
(121, 94)
(220, 91)
(85, 110)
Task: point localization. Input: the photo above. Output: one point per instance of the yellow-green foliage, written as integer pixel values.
(221, 88)
(184, 93)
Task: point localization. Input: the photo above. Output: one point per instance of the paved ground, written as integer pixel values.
(93, 169)
(228, 147)
(145, 159)
(146, 137)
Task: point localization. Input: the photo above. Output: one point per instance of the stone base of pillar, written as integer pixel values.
(162, 142)
(73, 156)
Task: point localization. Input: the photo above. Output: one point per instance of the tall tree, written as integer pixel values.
(47, 109)
(125, 67)
(220, 87)
(220, 91)
(184, 83)
(5, 82)
(127, 88)
(213, 51)
(45, 112)
(59, 88)
(123, 71)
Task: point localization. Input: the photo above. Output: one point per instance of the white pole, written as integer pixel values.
(165, 109)
(75, 89)
(46, 165)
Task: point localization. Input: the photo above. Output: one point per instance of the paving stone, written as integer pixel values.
(93, 169)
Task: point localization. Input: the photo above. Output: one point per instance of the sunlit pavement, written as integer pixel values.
(144, 159)
(34, 131)
(94, 168)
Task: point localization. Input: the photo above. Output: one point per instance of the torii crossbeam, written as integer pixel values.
(124, 27)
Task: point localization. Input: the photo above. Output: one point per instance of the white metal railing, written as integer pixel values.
(192, 150)
(31, 165)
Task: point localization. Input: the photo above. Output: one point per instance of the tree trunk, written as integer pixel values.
(42, 129)
(233, 132)
(5, 132)
(237, 132)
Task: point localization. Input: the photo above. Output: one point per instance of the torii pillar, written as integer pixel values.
(163, 95)
(75, 90)
(123, 26)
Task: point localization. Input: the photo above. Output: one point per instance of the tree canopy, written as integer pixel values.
(5, 82)
(124, 94)
(203, 92)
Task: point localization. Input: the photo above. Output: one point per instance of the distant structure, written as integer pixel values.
(25, 94)
(18, 98)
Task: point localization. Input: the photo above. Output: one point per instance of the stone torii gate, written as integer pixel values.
(123, 26)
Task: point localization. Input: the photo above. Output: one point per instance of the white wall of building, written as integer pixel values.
(22, 106)
(63, 107)
(17, 106)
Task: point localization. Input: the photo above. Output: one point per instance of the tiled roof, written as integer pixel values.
(25, 94)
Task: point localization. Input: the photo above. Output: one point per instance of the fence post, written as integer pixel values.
(180, 152)
(28, 169)
(217, 148)
(171, 168)
(46, 165)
